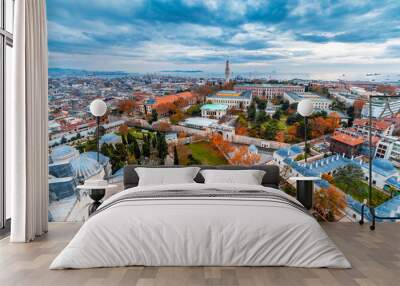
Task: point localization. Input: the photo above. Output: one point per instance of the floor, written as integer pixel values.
(375, 257)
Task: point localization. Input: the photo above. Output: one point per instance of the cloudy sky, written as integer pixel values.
(323, 38)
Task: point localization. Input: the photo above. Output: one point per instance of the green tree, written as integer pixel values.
(146, 149)
(176, 158)
(130, 138)
(270, 129)
(154, 116)
(261, 105)
(261, 117)
(251, 111)
(154, 141)
(285, 105)
(162, 147)
(349, 174)
(194, 110)
(277, 115)
(136, 149)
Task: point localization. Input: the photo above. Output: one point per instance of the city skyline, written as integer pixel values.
(347, 39)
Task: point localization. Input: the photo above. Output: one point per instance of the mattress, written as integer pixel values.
(201, 225)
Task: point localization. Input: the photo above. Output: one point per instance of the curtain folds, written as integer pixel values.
(26, 120)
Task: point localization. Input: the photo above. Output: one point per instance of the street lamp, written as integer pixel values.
(98, 108)
(305, 108)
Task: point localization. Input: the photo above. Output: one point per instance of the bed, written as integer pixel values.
(201, 224)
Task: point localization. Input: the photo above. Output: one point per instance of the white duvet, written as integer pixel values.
(202, 232)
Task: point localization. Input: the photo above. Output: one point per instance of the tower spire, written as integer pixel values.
(227, 72)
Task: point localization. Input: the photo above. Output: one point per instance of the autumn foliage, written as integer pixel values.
(327, 177)
(162, 126)
(242, 156)
(321, 126)
(280, 136)
(126, 106)
(329, 203)
(123, 130)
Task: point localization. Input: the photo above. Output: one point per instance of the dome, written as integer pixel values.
(63, 153)
(383, 164)
(110, 138)
(117, 177)
(85, 167)
(93, 155)
(253, 149)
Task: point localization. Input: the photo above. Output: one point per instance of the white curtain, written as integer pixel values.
(26, 124)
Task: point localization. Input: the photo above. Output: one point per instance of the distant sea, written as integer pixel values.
(372, 77)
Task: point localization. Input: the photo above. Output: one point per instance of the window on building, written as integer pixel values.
(6, 44)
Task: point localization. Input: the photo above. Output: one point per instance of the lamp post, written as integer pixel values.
(305, 109)
(98, 108)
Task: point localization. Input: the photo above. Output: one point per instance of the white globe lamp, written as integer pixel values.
(305, 108)
(98, 107)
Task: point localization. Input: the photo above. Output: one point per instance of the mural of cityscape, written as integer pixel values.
(219, 83)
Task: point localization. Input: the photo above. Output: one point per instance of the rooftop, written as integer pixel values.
(347, 139)
(187, 95)
(214, 107)
(199, 122)
(297, 96)
(376, 124)
(232, 94)
(267, 85)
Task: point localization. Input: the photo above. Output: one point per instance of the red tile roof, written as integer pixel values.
(376, 124)
(187, 95)
(347, 139)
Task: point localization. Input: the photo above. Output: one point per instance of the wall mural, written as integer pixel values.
(181, 89)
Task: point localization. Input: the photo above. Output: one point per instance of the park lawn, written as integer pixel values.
(207, 154)
(359, 192)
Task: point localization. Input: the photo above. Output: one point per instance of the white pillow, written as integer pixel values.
(166, 176)
(247, 177)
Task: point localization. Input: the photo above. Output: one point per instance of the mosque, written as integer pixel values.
(68, 168)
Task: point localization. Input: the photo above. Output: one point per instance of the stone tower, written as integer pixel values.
(227, 72)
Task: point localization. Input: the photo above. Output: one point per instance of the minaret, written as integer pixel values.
(227, 72)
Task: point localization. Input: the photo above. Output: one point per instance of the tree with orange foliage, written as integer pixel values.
(126, 106)
(177, 117)
(123, 130)
(280, 136)
(182, 134)
(181, 102)
(327, 177)
(221, 144)
(216, 139)
(329, 203)
(292, 131)
(333, 121)
(358, 106)
(318, 126)
(162, 126)
(241, 130)
(162, 109)
(242, 156)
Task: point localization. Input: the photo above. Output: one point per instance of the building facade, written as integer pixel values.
(214, 110)
(382, 108)
(269, 91)
(233, 99)
(343, 143)
(319, 102)
(389, 148)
